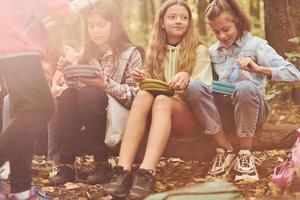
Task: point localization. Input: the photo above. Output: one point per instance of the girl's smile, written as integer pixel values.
(224, 29)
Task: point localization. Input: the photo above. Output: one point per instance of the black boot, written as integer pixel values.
(120, 183)
(143, 184)
(101, 174)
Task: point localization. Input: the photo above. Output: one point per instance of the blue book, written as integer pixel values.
(223, 84)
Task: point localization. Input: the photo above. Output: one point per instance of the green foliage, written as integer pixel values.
(295, 55)
(277, 90)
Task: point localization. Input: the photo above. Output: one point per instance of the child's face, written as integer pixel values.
(175, 22)
(99, 29)
(224, 29)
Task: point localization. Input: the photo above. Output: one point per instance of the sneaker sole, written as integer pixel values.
(246, 177)
(114, 195)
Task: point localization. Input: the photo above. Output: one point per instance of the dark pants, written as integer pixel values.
(31, 106)
(82, 107)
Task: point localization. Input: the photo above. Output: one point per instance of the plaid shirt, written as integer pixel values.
(125, 91)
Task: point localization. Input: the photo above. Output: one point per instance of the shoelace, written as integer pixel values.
(117, 174)
(220, 159)
(247, 161)
(143, 177)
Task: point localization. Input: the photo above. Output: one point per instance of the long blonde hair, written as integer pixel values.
(157, 46)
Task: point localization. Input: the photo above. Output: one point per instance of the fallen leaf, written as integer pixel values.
(106, 198)
(199, 179)
(246, 181)
(280, 159)
(160, 187)
(48, 189)
(44, 181)
(175, 160)
(71, 186)
(260, 192)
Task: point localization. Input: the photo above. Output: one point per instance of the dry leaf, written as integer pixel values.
(44, 181)
(160, 187)
(260, 192)
(280, 159)
(175, 160)
(246, 181)
(197, 180)
(71, 186)
(106, 198)
(48, 189)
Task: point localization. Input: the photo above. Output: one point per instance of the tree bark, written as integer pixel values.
(294, 9)
(255, 8)
(201, 5)
(202, 148)
(278, 25)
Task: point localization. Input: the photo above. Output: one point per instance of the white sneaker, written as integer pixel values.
(4, 171)
(245, 166)
(54, 171)
(222, 163)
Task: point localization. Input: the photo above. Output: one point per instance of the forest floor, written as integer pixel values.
(173, 173)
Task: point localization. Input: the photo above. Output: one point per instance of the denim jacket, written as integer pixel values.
(224, 62)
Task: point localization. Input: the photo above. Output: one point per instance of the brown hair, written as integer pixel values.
(217, 7)
(119, 40)
(157, 46)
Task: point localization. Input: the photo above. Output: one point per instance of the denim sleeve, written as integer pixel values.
(282, 70)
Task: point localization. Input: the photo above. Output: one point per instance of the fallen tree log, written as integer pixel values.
(202, 148)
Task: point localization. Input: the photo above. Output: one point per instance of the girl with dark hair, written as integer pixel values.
(107, 44)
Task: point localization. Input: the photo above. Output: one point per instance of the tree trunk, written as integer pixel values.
(294, 9)
(278, 25)
(255, 8)
(201, 5)
(147, 15)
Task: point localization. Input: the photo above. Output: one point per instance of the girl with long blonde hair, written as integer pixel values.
(176, 56)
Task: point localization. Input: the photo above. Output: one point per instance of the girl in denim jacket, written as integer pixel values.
(246, 61)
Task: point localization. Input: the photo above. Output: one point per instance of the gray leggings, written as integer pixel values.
(249, 109)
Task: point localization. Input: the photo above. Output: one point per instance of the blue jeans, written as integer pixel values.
(249, 110)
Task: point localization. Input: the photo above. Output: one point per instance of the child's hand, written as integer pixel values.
(138, 74)
(71, 58)
(62, 63)
(180, 81)
(248, 64)
(99, 82)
